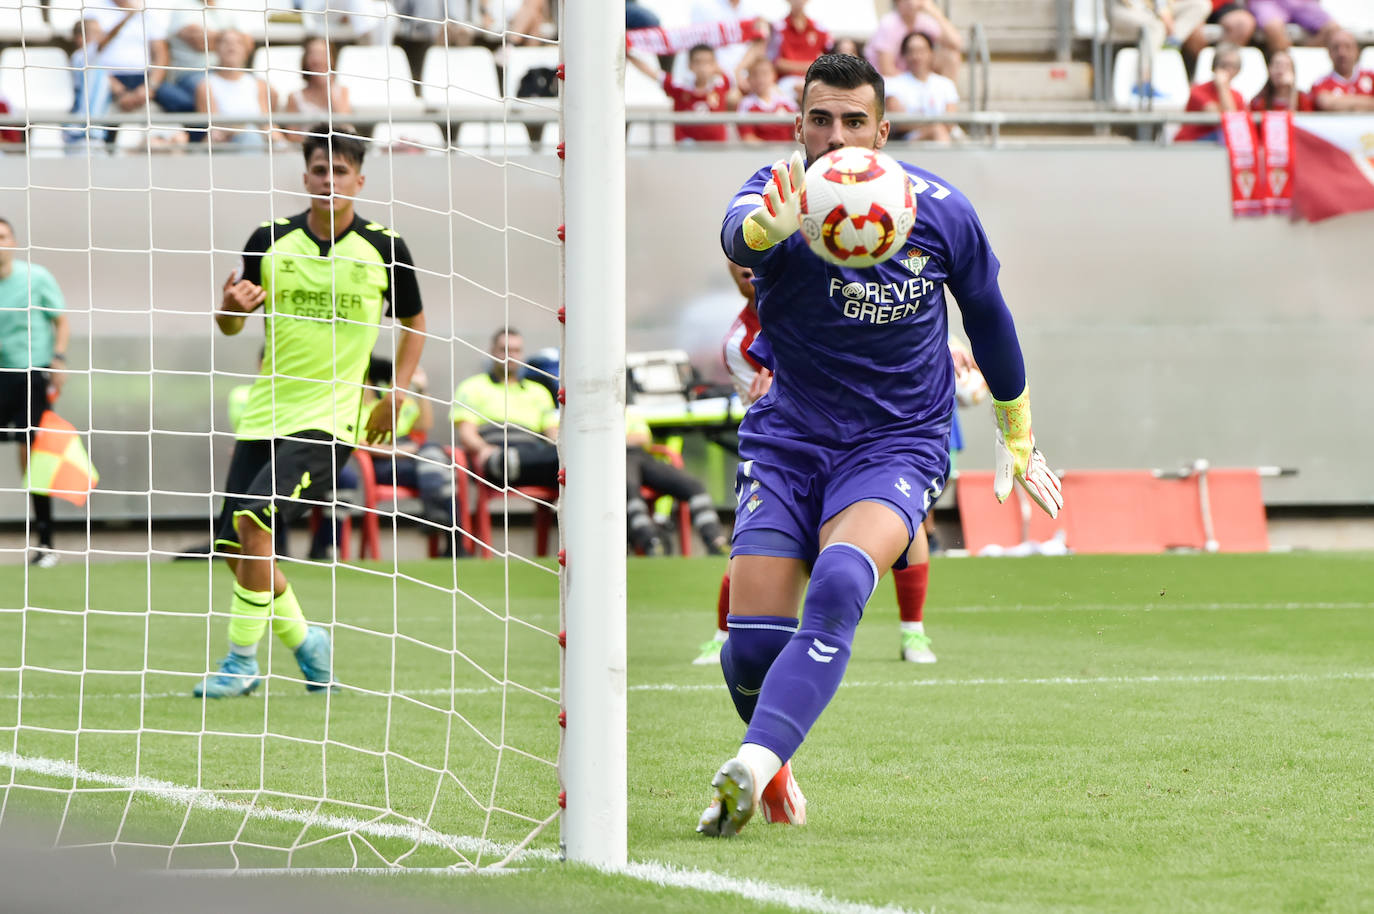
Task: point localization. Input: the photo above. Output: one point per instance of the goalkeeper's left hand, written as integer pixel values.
(1018, 458)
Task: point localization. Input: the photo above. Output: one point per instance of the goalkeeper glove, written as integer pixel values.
(1018, 458)
(780, 214)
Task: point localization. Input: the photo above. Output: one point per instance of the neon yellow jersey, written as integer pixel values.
(238, 399)
(636, 423)
(324, 306)
(484, 401)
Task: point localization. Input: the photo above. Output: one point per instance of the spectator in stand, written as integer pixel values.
(919, 90)
(767, 98)
(1237, 27)
(122, 68)
(231, 90)
(847, 46)
(1281, 93)
(731, 57)
(711, 90)
(794, 44)
(884, 49)
(1216, 95)
(639, 16)
(1274, 17)
(1345, 88)
(1163, 24)
(644, 469)
(320, 95)
(350, 21)
(192, 33)
(9, 136)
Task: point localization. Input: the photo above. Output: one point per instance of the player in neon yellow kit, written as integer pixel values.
(324, 279)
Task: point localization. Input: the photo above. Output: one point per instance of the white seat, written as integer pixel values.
(1254, 73)
(1170, 79)
(63, 15)
(1356, 16)
(410, 136)
(843, 18)
(280, 65)
(37, 81)
(1309, 65)
(46, 142)
(1089, 19)
(520, 59)
(511, 139)
(377, 76)
(1367, 59)
(23, 24)
(460, 78)
(670, 13)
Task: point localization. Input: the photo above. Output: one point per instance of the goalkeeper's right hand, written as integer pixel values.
(780, 214)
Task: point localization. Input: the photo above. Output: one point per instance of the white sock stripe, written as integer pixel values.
(872, 565)
(768, 626)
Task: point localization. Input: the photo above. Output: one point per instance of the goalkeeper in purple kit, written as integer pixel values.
(842, 458)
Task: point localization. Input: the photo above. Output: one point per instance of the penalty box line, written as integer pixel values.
(662, 874)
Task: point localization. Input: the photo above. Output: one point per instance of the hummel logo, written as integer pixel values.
(827, 652)
(901, 485)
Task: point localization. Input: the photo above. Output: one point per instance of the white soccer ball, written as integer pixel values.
(857, 207)
(970, 388)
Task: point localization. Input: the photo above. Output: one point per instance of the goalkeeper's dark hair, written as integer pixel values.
(340, 140)
(842, 71)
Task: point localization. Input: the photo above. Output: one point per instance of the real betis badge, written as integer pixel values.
(915, 261)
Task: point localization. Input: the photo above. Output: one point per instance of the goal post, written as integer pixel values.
(593, 511)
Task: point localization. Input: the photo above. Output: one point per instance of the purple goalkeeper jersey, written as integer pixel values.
(863, 353)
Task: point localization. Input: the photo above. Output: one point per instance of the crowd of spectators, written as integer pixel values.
(186, 56)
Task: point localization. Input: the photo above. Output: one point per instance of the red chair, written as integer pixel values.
(684, 514)
(374, 494)
(544, 499)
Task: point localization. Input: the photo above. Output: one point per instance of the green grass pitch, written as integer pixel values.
(1100, 734)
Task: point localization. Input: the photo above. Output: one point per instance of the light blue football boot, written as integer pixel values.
(313, 655)
(238, 675)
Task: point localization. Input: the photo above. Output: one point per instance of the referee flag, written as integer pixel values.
(58, 464)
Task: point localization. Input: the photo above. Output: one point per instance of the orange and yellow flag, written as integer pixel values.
(58, 464)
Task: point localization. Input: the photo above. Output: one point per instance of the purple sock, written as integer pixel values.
(753, 645)
(806, 674)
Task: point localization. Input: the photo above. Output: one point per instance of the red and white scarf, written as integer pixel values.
(680, 38)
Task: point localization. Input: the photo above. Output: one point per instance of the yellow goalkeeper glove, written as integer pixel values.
(1018, 458)
(780, 214)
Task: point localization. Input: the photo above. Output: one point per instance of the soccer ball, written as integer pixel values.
(857, 207)
(970, 388)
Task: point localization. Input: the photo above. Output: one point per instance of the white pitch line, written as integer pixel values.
(1147, 607)
(1195, 679)
(203, 799)
(797, 899)
(662, 874)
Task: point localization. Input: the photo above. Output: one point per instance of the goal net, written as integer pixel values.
(137, 190)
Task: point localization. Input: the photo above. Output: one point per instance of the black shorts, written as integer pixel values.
(23, 400)
(1224, 10)
(301, 477)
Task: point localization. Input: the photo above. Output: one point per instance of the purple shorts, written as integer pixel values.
(793, 487)
(1305, 13)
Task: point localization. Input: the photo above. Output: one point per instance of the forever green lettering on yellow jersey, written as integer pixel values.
(324, 307)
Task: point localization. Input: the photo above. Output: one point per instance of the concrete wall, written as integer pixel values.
(1156, 328)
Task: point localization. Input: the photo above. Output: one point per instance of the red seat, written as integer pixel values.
(684, 514)
(374, 494)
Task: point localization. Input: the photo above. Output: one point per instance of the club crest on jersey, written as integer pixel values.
(753, 504)
(915, 261)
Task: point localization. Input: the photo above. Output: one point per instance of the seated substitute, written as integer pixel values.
(507, 423)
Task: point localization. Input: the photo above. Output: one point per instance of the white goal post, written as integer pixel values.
(593, 512)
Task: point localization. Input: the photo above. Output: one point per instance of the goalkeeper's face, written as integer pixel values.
(833, 118)
(332, 184)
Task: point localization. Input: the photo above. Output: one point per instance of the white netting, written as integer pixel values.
(441, 749)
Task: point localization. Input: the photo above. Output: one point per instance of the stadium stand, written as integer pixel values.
(410, 136)
(1309, 65)
(22, 21)
(460, 77)
(280, 65)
